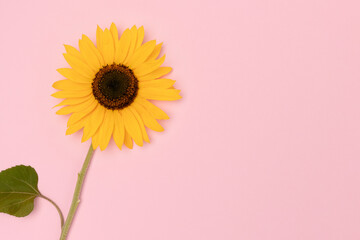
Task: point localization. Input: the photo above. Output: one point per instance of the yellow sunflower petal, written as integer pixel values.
(115, 36)
(148, 67)
(155, 53)
(79, 66)
(156, 74)
(128, 140)
(73, 51)
(114, 31)
(70, 85)
(74, 128)
(140, 37)
(95, 140)
(91, 55)
(72, 101)
(106, 129)
(76, 108)
(124, 44)
(157, 83)
(72, 94)
(141, 124)
(75, 117)
(160, 94)
(107, 47)
(141, 54)
(148, 120)
(119, 129)
(94, 122)
(73, 75)
(132, 126)
(87, 42)
(133, 40)
(77, 126)
(151, 108)
(99, 37)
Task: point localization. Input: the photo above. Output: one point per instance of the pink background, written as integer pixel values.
(265, 143)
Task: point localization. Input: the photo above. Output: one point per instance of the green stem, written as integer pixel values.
(57, 208)
(76, 197)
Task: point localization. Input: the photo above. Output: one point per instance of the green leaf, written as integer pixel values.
(18, 189)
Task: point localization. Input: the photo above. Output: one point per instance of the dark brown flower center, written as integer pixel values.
(115, 86)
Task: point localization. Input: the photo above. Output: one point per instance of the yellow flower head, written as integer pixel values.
(108, 86)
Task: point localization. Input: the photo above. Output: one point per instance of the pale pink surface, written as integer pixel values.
(265, 143)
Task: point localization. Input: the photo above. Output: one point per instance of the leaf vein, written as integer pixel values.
(26, 184)
(16, 203)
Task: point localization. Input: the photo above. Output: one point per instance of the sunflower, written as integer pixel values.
(108, 87)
